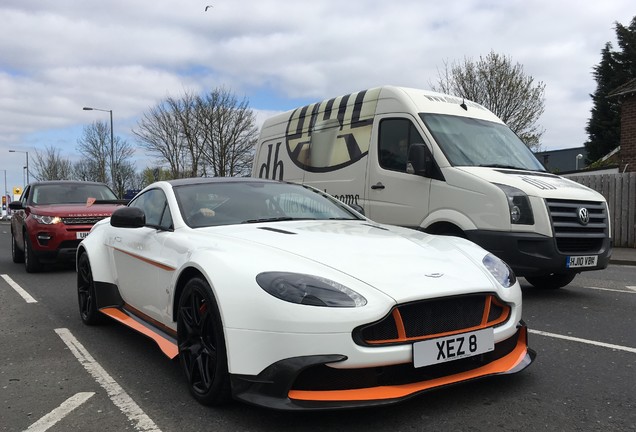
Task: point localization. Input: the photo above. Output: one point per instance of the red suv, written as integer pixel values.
(52, 217)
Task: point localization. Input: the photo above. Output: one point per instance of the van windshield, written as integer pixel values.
(468, 141)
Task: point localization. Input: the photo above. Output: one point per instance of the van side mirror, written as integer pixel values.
(419, 161)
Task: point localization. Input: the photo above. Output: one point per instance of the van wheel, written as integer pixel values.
(553, 281)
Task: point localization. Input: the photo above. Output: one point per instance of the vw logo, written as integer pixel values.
(584, 215)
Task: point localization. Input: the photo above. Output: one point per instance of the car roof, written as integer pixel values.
(65, 182)
(204, 180)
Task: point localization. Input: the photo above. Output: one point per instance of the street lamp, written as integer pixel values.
(27, 163)
(112, 160)
(578, 158)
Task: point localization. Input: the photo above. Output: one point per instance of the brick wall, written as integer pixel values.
(628, 134)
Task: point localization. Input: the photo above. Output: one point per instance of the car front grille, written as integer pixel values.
(85, 220)
(427, 319)
(572, 235)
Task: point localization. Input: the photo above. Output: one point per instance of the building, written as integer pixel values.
(627, 97)
(564, 160)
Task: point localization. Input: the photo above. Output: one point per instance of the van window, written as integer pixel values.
(396, 135)
(469, 141)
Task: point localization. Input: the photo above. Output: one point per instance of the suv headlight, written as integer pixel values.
(309, 290)
(46, 220)
(500, 270)
(518, 204)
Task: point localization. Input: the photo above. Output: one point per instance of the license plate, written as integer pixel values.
(581, 261)
(448, 348)
(82, 235)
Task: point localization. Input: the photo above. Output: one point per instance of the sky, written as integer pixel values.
(127, 56)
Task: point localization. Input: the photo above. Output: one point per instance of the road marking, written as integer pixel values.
(25, 295)
(633, 288)
(613, 290)
(585, 341)
(60, 412)
(116, 394)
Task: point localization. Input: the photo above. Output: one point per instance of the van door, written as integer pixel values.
(392, 194)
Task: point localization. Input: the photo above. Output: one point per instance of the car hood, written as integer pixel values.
(75, 210)
(397, 261)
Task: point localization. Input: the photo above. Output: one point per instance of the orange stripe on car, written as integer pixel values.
(146, 260)
(168, 347)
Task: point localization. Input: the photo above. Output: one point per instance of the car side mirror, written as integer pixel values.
(128, 217)
(419, 161)
(16, 205)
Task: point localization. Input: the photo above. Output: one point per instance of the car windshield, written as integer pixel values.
(225, 203)
(72, 193)
(472, 142)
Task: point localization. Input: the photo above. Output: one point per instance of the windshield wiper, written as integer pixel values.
(274, 219)
(503, 166)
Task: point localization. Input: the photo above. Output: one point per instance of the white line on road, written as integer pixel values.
(60, 412)
(613, 290)
(25, 295)
(116, 394)
(633, 288)
(585, 341)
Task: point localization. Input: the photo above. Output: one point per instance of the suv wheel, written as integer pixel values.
(31, 262)
(16, 254)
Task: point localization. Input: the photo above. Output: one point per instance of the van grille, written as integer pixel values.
(573, 235)
(433, 318)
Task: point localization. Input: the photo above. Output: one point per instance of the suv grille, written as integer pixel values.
(433, 318)
(86, 220)
(572, 235)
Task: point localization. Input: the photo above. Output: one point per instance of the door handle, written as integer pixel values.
(378, 185)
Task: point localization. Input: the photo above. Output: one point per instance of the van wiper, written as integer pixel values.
(502, 166)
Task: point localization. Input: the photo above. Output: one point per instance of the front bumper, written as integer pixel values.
(532, 254)
(307, 383)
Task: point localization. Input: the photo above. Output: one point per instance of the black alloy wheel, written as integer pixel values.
(31, 262)
(16, 254)
(202, 352)
(86, 293)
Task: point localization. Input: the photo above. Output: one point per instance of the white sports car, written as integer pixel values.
(279, 295)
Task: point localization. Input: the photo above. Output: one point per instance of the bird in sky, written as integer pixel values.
(208, 7)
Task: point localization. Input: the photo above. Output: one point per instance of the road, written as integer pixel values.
(59, 375)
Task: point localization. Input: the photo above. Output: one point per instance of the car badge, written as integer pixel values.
(434, 275)
(584, 215)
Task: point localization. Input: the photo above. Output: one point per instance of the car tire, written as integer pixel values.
(202, 352)
(16, 254)
(553, 281)
(89, 313)
(31, 262)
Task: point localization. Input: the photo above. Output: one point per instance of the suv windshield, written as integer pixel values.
(472, 142)
(74, 193)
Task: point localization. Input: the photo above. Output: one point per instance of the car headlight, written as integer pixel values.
(46, 220)
(518, 204)
(309, 290)
(500, 270)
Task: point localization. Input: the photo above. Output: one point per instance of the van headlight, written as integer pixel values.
(309, 290)
(518, 204)
(500, 270)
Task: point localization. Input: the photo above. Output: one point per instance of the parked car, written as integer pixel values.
(279, 295)
(52, 217)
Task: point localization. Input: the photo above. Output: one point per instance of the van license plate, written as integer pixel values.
(581, 261)
(443, 349)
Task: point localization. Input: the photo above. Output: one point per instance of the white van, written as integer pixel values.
(443, 165)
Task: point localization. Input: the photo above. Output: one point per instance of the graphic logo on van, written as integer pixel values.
(332, 134)
(584, 215)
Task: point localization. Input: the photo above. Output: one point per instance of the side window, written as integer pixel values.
(396, 135)
(155, 207)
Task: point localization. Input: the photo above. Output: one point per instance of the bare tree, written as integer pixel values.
(503, 88)
(159, 132)
(229, 133)
(205, 135)
(49, 165)
(94, 145)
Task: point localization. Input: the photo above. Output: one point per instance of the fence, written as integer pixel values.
(620, 192)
